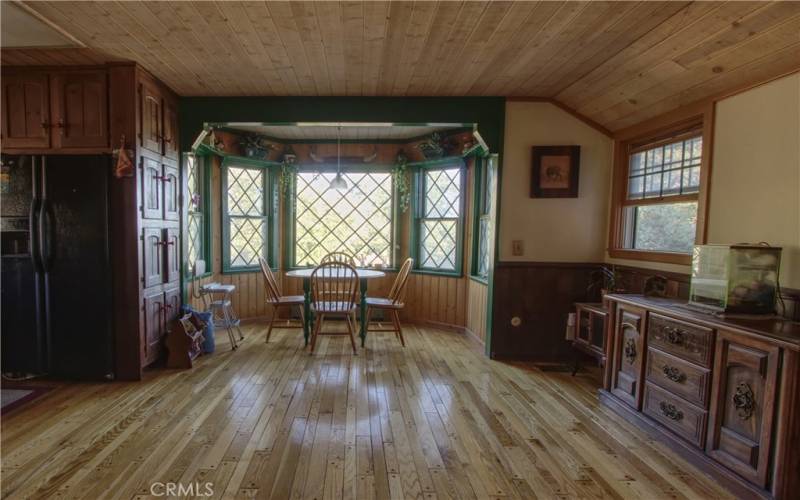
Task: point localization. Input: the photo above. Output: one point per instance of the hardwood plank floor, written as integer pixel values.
(433, 420)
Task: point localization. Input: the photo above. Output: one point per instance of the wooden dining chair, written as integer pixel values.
(278, 301)
(333, 294)
(393, 303)
(342, 257)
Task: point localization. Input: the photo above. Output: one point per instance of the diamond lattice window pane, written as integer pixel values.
(247, 240)
(443, 193)
(438, 244)
(483, 247)
(195, 238)
(357, 221)
(245, 191)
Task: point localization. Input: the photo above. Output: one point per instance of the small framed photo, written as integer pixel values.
(554, 172)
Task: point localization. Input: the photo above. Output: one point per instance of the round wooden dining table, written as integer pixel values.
(364, 275)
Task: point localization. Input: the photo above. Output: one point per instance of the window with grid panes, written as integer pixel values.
(439, 218)
(358, 221)
(484, 190)
(660, 204)
(197, 211)
(245, 216)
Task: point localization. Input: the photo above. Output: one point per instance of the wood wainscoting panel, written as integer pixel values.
(541, 295)
(477, 294)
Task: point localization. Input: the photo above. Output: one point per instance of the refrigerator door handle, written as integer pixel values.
(33, 228)
(45, 236)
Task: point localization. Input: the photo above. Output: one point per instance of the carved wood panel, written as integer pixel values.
(628, 354)
(743, 399)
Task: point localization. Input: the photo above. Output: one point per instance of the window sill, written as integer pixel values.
(243, 270)
(480, 279)
(683, 259)
(432, 272)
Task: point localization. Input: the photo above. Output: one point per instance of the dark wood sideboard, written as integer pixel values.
(723, 392)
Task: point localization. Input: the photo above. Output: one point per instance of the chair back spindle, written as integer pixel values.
(333, 287)
(270, 285)
(340, 257)
(397, 294)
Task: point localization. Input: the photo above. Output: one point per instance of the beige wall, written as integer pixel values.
(755, 174)
(553, 230)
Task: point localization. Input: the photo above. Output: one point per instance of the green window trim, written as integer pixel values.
(481, 214)
(269, 212)
(418, 206)
(205, 253)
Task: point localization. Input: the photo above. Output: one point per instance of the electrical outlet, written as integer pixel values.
(517, 248)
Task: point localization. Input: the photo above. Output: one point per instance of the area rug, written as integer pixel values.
(15, 397)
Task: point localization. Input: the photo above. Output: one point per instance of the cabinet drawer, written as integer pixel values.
(685, 340)
(679, 377)
(682, 418)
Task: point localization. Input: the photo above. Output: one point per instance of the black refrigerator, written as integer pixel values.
(56, 273)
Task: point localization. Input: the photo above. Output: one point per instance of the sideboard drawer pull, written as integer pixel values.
(674, 374)
(670, 411)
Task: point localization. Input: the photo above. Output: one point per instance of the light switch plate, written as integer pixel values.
(517, 248)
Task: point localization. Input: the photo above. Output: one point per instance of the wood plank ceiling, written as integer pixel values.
(614, 62)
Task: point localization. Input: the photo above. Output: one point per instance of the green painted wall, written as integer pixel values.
(487, 112)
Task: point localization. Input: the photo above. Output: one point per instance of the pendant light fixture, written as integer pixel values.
(338, 183)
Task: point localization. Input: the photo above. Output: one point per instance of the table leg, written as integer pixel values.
(363, 314)
(306, 309)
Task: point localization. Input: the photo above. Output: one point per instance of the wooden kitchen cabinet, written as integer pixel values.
(170, 136)
(152, 119)
(26, 110)
(79, 109)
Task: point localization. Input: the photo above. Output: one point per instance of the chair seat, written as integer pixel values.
(292, 300)
(333, 307)
(382, 303)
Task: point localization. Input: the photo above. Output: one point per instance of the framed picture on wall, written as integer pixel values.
(554, 171)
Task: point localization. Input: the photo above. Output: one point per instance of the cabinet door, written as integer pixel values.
(171, 187)
(172, 307)
(79, 109)
(172, 245)
(152, 187)
(26, 111)
(153, 325)
(170, 129)
(628, 354)
(151, 118)
(742, 404)
(152, 260)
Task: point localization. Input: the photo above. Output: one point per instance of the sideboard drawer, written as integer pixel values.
(685, 340)
(682, 418)
(679, 377)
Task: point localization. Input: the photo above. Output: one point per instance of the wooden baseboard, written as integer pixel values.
(441, 326)
(730, 481)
